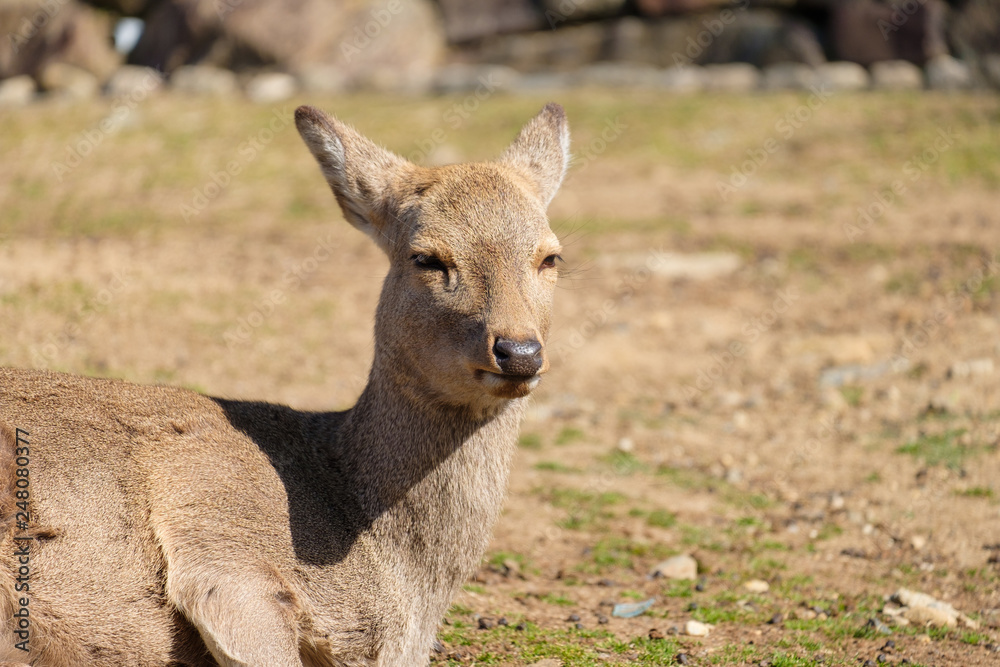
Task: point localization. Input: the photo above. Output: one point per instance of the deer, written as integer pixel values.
(153, 525)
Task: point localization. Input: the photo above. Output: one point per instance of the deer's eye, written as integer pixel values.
(550, 262)
(429, 262)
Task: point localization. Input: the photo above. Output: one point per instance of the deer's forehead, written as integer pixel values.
(480, 207)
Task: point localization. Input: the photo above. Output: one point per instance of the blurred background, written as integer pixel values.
(321, 46)
(774, 406)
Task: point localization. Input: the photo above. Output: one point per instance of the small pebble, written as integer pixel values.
(776, 619)
(438, 647)
(606, 582)
(993, 647)
(578, 626)
(521, 626)
(683, 659)
(655, 634)
(870, 663)
(700, 586)
(485, 623)
(573, 618)
(502, 621)
(602, 619)
(882, 657)
(692, 606)
(889, 645)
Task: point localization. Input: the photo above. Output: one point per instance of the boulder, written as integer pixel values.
(843, 75)
(17, 91)
(359, 37)
(945, 72)
(467, 21)
(869, 31)
(68, 81)
(731, 78)
(790, 76)
(974, 28)
(203, 80)
(271, 87)
(134, 81)
(896, 75)
(36, 34)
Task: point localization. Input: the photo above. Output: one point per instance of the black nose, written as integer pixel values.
(518, 357)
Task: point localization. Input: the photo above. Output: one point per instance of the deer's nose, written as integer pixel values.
(518, 357)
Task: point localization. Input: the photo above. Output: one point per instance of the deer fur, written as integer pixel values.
(172, 528)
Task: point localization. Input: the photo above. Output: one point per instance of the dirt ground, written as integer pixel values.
(790, 376)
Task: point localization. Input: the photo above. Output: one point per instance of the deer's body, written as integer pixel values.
(171, 528)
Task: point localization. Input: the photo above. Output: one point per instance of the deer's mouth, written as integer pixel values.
(509, 386)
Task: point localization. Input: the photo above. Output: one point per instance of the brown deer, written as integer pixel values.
(159, 526)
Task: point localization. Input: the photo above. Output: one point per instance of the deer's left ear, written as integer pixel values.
(541, 151)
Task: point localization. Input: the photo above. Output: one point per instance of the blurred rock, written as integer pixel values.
(557, 11)
(541, 82)
(731, 78)
(466, 21)
(760, 37)
(896, 75)
(203, 80)
(461, 78)
(664, 7)
(945, 72)
(132, 80)
(682, 79)
(564, 49)
(853, 374)
(974, 367)
(614, 75)
(69, 81)
(974, 28)
(17, 91)
(358, 36)
(866, 31)
(36, 34)
(677, 567)
(843, 75)
(757, 586)
(922, 609)
(697, 629)
(271, 87)
(790, 76)
(323, 80)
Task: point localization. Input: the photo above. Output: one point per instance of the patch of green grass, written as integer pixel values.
(624, 463)
(941, 449)
(569, 435)
(557, 599)
(530, 441)
(619, 553)
(852, 395)
(977, 492)
(585, 509)
(474, 588)
(661, 519)
(555, 466)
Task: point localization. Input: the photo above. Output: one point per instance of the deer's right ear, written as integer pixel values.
(359, 172)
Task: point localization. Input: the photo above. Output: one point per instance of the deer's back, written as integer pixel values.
(119, 475)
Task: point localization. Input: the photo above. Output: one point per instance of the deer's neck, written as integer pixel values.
(431, 480)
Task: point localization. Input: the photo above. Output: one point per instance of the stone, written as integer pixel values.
(843, 75)
(896, 75)
(923, 609)
(838, 376)
(464, 78)
(945, 72)
(544, 82)
(271, 87)
(614, 75)
(547, 662)
(757, 586)
(682, 566)
(203, 80)
(69, 81)
(869, 31)
(467, 21)
(789, 76)
(581, 10)
(924, 616)
(688, 79)
(697, 629)
(133, 81)
(324, 80)
(731, 78)
(17, 91)
(972, 368)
